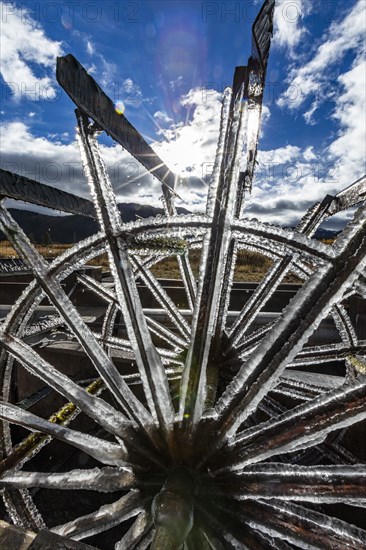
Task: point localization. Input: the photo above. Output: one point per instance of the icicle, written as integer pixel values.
(257, 301)
(220, 151)
(301, 317)
(302, 526)
(199, 379)
(101, 450)
(105, 480)
(344, 325)
(105, 518)
(137, 531)
(45, 324)
(162, 297)
(151, 369)
(71, 316)
(95, 407)
(300, 427)
(188, 279)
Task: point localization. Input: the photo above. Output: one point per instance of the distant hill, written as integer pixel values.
(321, 233)
(42, 228)
(325, 234)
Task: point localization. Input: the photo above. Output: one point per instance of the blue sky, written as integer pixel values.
(169, 62)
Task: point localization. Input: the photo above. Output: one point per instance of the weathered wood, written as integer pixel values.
(91, 99)
(24, 189)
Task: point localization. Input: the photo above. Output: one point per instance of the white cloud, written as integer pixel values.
(39, 158)
(107, 72)
(176, 84)
(280, 155)
(189, 149)
(309, 154)
(131, 92)
(90, 47)
(91, 69)
(19, 139)
(128, 84)
(87, 41)
(347, 151)
(342, 161)
(162, 118)
(266, 115)
(288, 29)
(23, 42)
(311, 79)
(288, 179)
(308, 116)
(58, 164)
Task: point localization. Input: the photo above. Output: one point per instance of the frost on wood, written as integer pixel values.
(200, 422)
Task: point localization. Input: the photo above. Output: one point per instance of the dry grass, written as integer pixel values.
(47, 251)
(50, 251)
(250, 266)
(100, 261)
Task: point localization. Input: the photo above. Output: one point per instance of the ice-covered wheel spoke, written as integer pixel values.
(105, 518)
(317, 484)
(149, 363)
(140, 530)
(104, 480)
(305, 526)
(107, 453)
(297, 428)
(95, 407)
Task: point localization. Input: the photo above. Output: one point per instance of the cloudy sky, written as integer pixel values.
(169, 62)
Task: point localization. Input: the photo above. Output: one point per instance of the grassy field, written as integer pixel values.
(250, 265)
(48, 251)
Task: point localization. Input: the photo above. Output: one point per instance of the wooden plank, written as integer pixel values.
(24, 189)
(90, 98)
